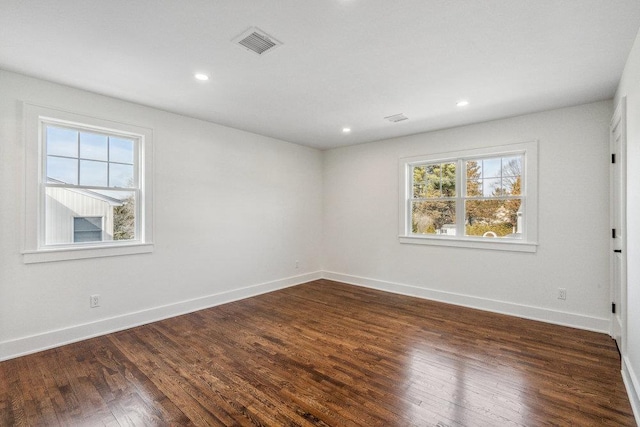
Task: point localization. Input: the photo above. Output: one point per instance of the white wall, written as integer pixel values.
(232, 210)
(235, 209)
(361, 221)
(630, 88)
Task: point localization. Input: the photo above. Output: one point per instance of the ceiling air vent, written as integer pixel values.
(257, 41)
(396, 118)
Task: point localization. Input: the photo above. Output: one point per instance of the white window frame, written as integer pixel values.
(35, 250)
(528, 242)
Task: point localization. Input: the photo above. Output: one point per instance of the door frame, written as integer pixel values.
(619, 119)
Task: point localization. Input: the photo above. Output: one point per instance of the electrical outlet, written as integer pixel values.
(94, 301)
(297, 263)
(562, 293)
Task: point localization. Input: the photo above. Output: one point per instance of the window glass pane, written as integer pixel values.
(120, 175)
(440, 180)
(61, 169)
(474, 188)
(474, 183)
(491, 187)
(124, 217)
(93, 173)
(432, 180)
(494, 177)
(62, 142)
(512, 186)
(87, 224)
(124, 213)
(87, 229)
(512, 166)
(491, 168)
(493, 218)
(419, 185)
(93, 146)
(433, 217)
(512, 175)
(448, 179)
(121, 150)
(114, 209)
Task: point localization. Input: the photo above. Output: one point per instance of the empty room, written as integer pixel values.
(327, 213)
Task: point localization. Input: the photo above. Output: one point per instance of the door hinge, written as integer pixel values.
(613, 157)
(613, 307)
(613, 233)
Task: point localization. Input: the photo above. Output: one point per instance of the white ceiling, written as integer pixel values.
(342, 62)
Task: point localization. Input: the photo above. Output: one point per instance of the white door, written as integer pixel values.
(618, 255)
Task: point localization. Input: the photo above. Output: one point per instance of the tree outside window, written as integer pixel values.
(491, 200)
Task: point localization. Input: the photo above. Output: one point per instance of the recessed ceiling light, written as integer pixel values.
(346, 130)
(462, 103)
(202, 77)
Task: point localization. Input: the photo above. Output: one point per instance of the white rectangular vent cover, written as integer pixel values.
(396, 118)
(257, 41)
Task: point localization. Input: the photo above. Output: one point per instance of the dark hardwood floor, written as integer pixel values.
(324, 354)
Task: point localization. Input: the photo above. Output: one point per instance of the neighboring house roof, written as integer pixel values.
(94, 194)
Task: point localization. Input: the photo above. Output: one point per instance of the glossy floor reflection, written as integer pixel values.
(325, 354)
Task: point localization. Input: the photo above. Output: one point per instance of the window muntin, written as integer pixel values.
(89, 159)
(474, 198)
(89, 173)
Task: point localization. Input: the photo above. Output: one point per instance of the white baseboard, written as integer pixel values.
(573, 320)
(631, 384)
(55, 338)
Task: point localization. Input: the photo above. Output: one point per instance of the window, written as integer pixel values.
(87, 229)
(89, 173)
(88, 187)
(484, 198)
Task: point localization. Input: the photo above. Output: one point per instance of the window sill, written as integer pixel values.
(68, 253)
(502, 245)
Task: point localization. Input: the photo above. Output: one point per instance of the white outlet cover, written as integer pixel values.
(94, 301)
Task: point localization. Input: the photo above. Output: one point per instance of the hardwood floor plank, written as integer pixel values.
(324, 354)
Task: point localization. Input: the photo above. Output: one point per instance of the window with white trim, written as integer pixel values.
(88, 187)
(483, 198)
